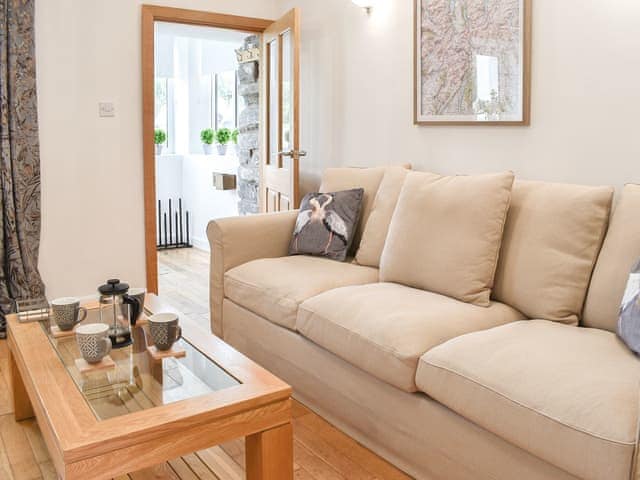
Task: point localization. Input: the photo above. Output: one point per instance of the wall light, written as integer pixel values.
(366, 4)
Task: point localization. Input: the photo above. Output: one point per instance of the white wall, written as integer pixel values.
(356, 110)
(203, 201)
(190, 177)
(357, 95)
(169, 177)
(92, 199)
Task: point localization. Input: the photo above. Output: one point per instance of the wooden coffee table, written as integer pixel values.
(143, 412)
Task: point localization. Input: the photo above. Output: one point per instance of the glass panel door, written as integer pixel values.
(279, 189)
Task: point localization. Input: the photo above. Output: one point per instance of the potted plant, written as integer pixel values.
(223, 136)
(234, 138)
(159, 138)
(206, 136)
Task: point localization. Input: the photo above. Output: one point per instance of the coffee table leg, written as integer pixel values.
(21, 404)
(269, 454)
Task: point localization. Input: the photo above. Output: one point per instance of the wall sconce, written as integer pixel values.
(366, 4)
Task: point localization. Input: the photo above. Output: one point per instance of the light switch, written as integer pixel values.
(106, 109)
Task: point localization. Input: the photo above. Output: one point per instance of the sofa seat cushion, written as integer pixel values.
(566, 394)
(274, 287)
(384, 328)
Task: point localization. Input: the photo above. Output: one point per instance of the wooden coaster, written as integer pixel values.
(176, 352)
(57, 333)
(105, 364)
(142, 320)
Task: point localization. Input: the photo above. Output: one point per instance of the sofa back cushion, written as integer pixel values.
(620, 250)
(445, 234)
(377, 226)
(347, 178)
(552, 238)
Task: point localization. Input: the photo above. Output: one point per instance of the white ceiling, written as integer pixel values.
(221, 35)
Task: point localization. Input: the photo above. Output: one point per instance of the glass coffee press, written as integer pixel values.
(118, 310)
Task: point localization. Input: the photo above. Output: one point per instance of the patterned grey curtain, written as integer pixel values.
(19, 157)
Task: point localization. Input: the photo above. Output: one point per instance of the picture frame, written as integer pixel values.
(462, 79)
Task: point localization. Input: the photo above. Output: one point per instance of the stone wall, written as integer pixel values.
(249, 138)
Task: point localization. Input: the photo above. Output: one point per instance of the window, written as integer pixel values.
(178, 102)
(164, 110)
(225, 100)
(226, 104)
(162, 107)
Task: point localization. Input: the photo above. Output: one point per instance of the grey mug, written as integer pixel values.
(139, 294)
(67, 312)
(93, 341)
(164, 330)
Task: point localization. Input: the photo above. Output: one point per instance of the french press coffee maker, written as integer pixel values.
(118, 310)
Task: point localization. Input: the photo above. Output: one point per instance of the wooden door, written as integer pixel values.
(279, 173)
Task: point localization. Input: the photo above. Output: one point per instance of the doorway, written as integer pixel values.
(208, 82)
(203, 97)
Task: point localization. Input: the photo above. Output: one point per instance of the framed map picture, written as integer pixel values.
(472, 62)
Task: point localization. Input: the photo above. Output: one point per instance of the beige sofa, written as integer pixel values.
(534, 386)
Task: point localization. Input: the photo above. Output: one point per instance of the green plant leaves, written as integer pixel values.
(223, 136)
(207, 135)
(159, 136)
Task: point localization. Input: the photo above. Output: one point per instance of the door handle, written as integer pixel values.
(293, 153)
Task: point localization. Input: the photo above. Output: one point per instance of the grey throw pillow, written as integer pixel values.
(629, 319)
(326, 224)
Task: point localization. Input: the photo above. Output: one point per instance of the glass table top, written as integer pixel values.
(138, 381)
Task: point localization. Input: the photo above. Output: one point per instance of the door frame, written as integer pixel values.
(150, 15)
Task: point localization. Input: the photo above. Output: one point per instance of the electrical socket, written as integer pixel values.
(106, 109)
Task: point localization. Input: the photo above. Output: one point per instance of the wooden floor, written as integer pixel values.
(320, 450)
(183, 281)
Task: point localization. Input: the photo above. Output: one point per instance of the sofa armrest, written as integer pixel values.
(238, 240)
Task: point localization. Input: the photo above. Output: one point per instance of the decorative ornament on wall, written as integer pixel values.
(246, 55)
(472, 62)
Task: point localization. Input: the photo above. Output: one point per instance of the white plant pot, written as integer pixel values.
(159, 148)
(208, 148)
(222, 149)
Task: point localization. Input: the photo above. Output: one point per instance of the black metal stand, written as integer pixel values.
(172, 225)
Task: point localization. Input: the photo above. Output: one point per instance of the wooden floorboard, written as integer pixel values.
(183, 281)
(321, 451)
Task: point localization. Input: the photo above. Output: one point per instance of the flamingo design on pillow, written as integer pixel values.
(326, 223)
(319, 213)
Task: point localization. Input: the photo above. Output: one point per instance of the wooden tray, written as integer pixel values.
(176, 352)
(105, 364)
